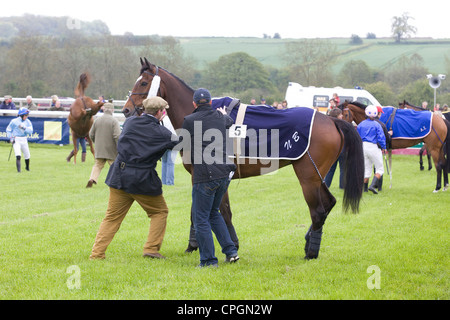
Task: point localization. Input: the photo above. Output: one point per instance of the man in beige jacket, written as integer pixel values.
(105, 133)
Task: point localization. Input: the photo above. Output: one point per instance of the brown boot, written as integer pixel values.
(83, 157)
(70, 156)
(90, 183)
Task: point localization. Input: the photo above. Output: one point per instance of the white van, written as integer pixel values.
(313, 97)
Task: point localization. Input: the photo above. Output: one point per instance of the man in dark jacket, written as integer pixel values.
(132, 177)
(212, 172)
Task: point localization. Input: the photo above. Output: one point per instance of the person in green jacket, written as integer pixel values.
(105, 133)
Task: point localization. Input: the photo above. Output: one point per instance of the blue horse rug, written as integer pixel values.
(407, 123)
(271, 133)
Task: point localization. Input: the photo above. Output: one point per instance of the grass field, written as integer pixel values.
(399, 242)
(377, 53)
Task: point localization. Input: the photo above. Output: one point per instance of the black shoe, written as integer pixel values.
(372, 186)
(232, 259)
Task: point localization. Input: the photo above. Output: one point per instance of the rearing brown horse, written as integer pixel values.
(437, 140)
(81, 115)
(326, 143)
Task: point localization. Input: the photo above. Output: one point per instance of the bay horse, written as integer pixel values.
(328, 138)
(406, 105)
(81, 115)
(437, 139)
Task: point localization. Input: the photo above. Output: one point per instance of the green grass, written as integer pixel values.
(48, 222)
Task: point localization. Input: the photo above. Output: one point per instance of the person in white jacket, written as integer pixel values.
(17, 132)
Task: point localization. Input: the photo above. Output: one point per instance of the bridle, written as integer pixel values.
(153, 91)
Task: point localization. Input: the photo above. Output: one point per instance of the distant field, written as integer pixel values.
(377, 53)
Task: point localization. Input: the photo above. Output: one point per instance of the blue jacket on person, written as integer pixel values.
(142, 143)
(19, 128)
(371, 131)
(8, 106)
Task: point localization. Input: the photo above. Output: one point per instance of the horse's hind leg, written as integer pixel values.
(225, 210)
(91, 145)
(320, 206)
(320, 202)
(75, 147)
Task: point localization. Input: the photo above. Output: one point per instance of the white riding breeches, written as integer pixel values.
(21, 145)
(372, 157)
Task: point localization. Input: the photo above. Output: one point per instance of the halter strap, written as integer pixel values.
(153, 91)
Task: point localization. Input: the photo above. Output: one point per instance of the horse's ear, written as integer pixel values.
(146, 62)
(142, 62)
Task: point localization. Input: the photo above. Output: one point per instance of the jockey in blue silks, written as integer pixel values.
(17, 132)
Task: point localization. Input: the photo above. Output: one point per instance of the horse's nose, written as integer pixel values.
(126, 112)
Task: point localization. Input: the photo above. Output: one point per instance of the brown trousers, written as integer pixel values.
(118, 206)
(98, 166)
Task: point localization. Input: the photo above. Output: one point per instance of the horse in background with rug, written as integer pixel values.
(81, 115)
(324, 143)
(406, 105)
(409, 128)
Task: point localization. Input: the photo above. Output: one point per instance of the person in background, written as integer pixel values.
(105, 133)
(30, 104)
(57, 106)
(17, 132)
(54, 99)
(132, 177)
(169, 157)
(8, 104)
(372, 134)
(336, 99)
(336, 113)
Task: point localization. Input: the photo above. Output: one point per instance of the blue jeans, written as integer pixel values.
(206, 198)
(82, 142)
(168, 167)
(330, 174)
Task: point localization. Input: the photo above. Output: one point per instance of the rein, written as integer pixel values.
(153, 91)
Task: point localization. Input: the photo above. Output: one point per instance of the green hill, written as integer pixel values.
(377, 53)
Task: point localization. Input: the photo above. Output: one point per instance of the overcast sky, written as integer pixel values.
(253, 18)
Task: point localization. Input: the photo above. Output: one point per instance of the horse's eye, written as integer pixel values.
(144, 84)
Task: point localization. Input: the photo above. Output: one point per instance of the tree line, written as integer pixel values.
(45, 65)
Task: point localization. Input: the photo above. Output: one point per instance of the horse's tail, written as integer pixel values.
(447, 145)
(353, 165)
(85, 79)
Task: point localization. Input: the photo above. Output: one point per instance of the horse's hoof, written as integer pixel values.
(190, 249)
(436, 191)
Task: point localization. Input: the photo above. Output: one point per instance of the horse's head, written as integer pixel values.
(147, 84)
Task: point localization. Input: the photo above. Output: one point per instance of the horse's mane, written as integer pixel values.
(358, 104)
(147, 68)
(406, 103)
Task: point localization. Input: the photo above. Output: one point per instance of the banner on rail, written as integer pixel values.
(45, 130)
